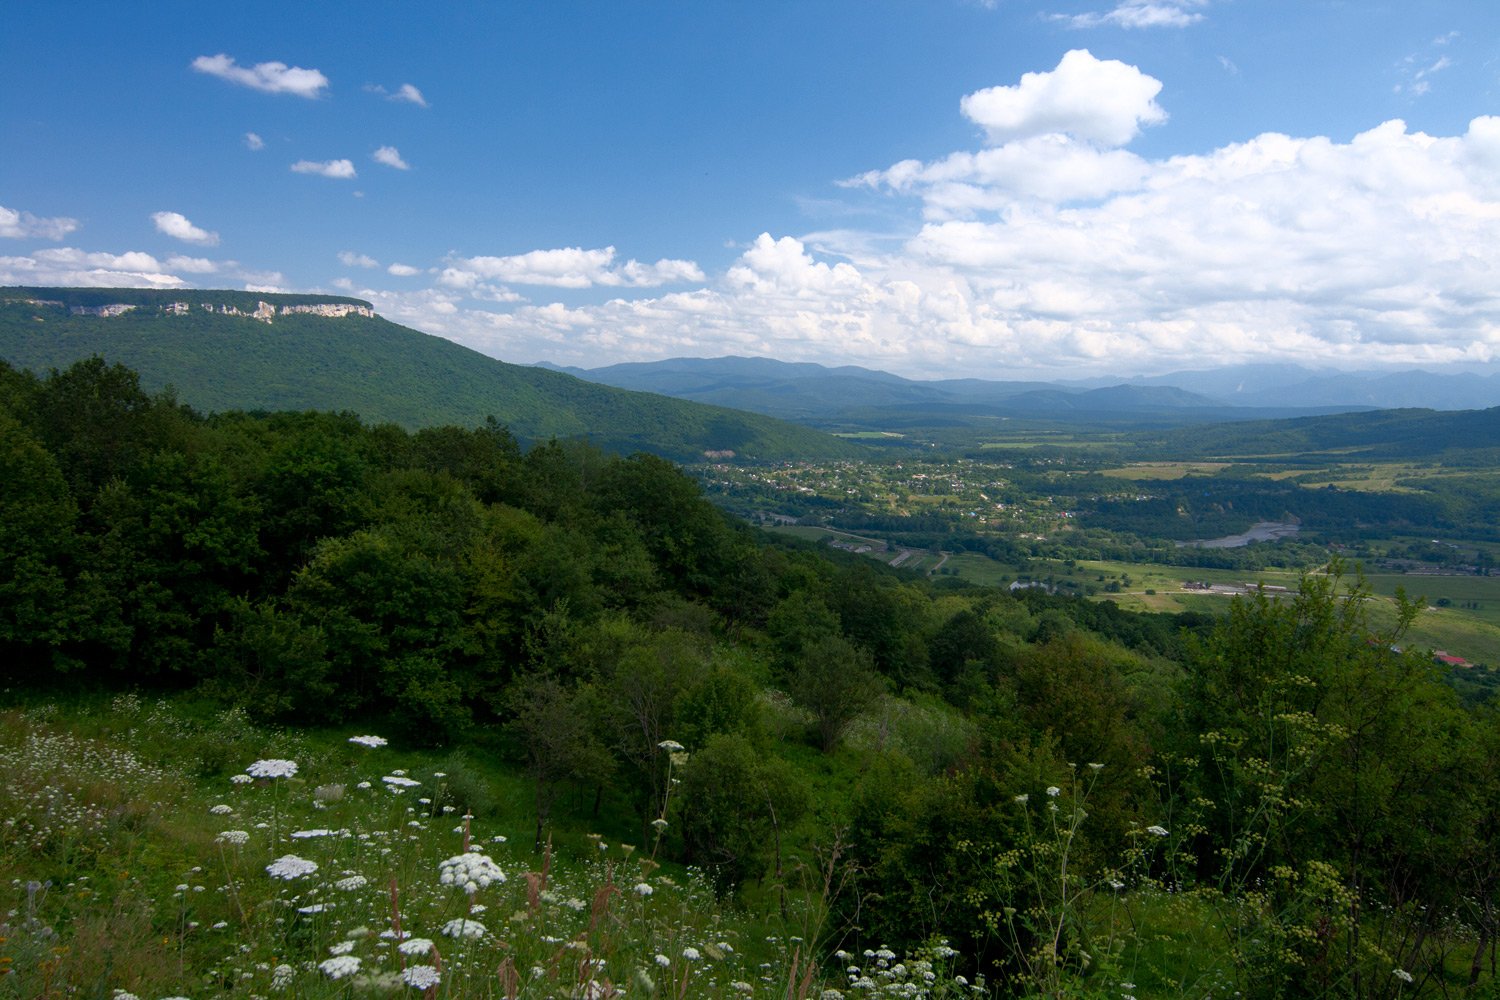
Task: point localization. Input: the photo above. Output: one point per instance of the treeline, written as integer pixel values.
(1009, 773)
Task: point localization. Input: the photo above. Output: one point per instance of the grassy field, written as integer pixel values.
(1165, 470)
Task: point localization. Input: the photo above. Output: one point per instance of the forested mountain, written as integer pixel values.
(864, 396)
(1466, 437)
(1284, 801)
(333, 353)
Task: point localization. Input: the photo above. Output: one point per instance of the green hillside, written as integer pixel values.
(378, 369)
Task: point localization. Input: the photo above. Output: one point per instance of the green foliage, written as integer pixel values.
(217, 362)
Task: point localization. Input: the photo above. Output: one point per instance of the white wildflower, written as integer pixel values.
(461, 928)
(342, 948)
(351, 883)
(273, 768)
(241, 779)
(1157, 831)
(415, 946)
(643, 889)
(1054, 791)
(290, 867)
(221, 810)
(671, 746)
(421, 977)
(369, 741)
(470, 872)
(235, 837)
(339, 966)
(691, 954)
(663, 961)
(1402, 975)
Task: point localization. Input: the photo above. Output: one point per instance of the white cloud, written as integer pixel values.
(351, 259)
(403, 270)
(20, 225)
(177, 226)
(270, 77)
(405, 94)
(254, 142)
(337, 169)
(1376, 250)
(1140, 14)
(81, 269)
(191, 265)
(570, 267)
(1102, 101)
(410, 95)
(391, 157)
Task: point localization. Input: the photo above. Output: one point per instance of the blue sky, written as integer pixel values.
(936, 187)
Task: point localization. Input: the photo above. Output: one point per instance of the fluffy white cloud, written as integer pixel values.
(1378, 250)
(337, 169)
(270, 77)
(1103, 101)
(23, 225)
(1052, 168)
(403, 270)
(1140, 14)
(351, 259)
(177, 226)
(254, 142)
(569, 267)
(81, 269)
(391, 157)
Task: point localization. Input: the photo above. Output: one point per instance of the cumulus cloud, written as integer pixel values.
(403, 270)
(269, 77)
(19, 225)
(570, 267)
(81, 269)
(177, 226)
(1376, 250)
(254, 142)
(337, 169)
(1102, 101)
(351, 259)
(1139, 14)
(391, 157)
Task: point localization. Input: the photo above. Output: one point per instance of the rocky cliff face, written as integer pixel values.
(263, 311)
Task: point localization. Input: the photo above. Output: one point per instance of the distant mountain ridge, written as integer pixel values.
(806, 391)
(223, 350)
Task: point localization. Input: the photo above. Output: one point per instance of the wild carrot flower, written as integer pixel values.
(671, 746)
(290, 867)
(643, 889)
(339, 966)
(235, 837)
(1054, 791)
(415, 946)
(1157, 831)
(470, 872)
(369, 741)
(221, 809)
(1402, 975)
(421, 977)
(461, 928)
(273, 768)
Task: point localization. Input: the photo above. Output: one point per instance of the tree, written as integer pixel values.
(837, 683)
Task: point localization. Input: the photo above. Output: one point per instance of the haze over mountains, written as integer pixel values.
(818, 393)
(234, 350)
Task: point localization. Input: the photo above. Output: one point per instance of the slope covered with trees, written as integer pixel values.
(380, 370)
(1278, 803)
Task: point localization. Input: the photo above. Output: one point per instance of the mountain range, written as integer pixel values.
(230, 350)
(860, 396)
